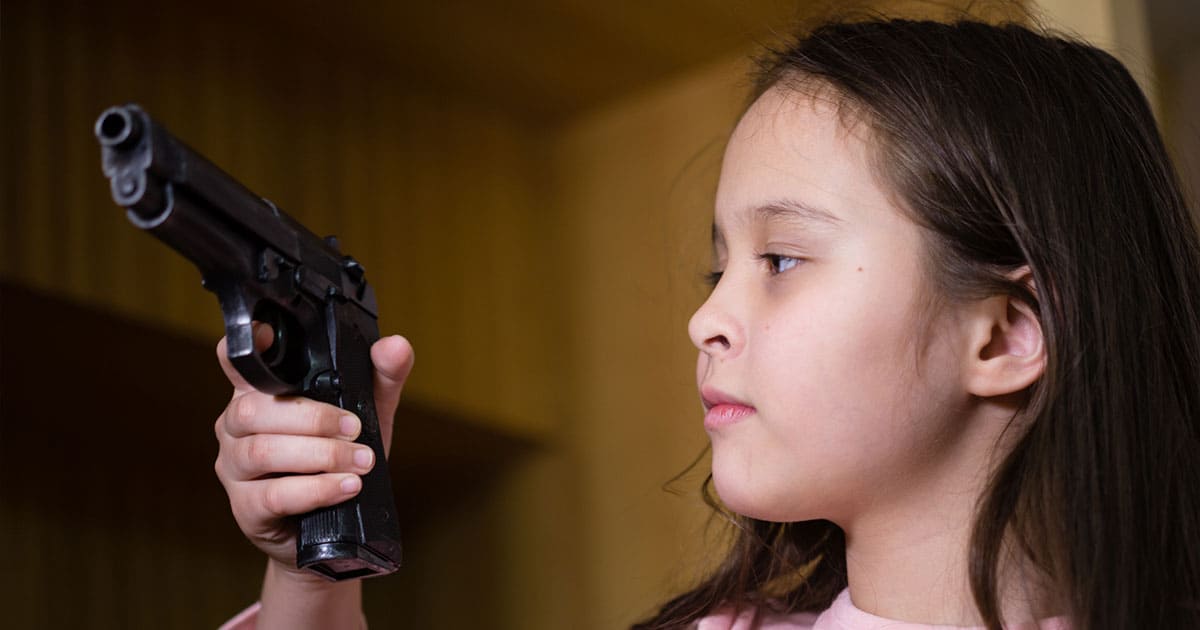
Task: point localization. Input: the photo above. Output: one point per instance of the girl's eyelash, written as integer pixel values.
(775, 265)
(712, 278)
(775, 262)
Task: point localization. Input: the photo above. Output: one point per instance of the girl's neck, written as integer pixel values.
(907, 552)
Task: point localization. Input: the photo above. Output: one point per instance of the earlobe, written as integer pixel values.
(1007, 349)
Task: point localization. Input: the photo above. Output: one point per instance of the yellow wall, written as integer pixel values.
(1182, 101)
(440, 200)
(1118, 26)
(444, 202)
(544, 275)
(636, 182)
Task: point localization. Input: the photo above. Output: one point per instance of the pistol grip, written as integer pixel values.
(359, 537)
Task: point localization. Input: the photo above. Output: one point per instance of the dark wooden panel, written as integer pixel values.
(108, 500)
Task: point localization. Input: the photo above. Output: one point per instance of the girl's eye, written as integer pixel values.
(778, 263)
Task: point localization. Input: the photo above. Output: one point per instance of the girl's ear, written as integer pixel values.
(1006, 350)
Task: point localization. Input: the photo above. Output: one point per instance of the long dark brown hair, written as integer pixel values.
(1014, 148)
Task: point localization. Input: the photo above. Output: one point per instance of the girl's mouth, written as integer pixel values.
(721, 409)
(725, 414)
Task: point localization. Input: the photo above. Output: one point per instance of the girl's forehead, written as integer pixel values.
(808, 110)
(795, 149)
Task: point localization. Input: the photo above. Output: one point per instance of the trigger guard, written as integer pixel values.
(282, 375)
(250, 364)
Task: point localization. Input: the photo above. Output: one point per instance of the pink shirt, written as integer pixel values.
(842, 615)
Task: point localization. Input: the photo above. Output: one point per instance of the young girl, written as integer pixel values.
(950, 362)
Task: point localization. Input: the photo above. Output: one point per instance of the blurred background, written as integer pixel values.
(529, 187)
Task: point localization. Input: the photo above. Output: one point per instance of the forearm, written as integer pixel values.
(295, 601)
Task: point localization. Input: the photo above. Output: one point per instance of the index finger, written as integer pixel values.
(264, 336)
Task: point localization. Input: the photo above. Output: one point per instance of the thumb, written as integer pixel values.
(393, 360)
(264, 336)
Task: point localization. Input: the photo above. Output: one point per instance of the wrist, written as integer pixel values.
(298, 579)
(294, 599)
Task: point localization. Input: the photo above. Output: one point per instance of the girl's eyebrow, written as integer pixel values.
(787, 210)
(792, 210)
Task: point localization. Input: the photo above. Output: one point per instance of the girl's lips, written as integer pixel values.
(721, 409)
(725, 414)
(711, 397)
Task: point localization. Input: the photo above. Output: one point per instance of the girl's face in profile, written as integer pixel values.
(824, 395)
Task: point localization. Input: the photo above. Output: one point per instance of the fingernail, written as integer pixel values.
(351, 484)
(349, 426)
(363, 457)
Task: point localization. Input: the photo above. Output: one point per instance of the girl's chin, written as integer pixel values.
(738, 497)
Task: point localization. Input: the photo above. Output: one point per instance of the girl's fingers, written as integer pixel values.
(298, 494)
(235, 377)
(259, 455)
(253, 412)
(264, 336)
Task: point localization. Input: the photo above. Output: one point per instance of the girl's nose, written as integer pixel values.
(715, 330)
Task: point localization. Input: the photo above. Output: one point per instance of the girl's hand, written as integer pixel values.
(265, 440)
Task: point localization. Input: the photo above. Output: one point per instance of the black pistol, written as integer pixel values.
(264, 266)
